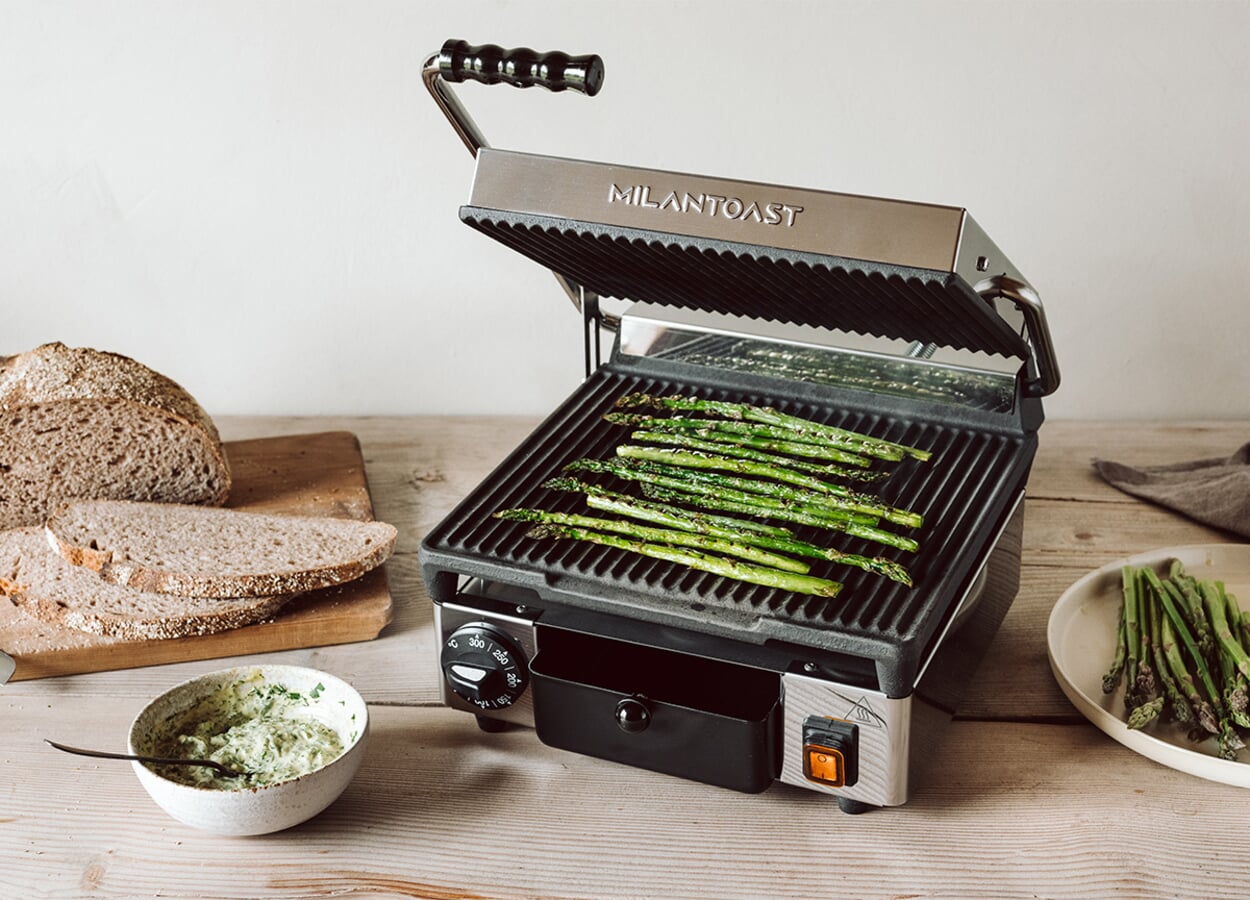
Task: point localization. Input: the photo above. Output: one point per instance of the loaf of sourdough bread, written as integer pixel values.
(196, 551)
(42, 584)
(76, 422)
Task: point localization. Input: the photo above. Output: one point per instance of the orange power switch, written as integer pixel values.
(824, 764)
(831, 751)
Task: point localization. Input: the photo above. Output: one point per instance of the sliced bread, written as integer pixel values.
(76, 422)
(45, 586)
(196, 551)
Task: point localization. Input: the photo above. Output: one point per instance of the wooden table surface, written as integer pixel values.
(1031, 800)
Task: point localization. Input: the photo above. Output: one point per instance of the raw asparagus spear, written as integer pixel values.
(1147, 683)
(1232, 661)
(1170, 597)
(659, 535)
(696, 460)
(1192, 609)
(729, 568)
(1204, 715)
(1216, 608)
(1237, 695)
(1235, 619)
(870, 446)
(730, 529)
(1132, 631)
(1210, 712)
(1177, 705)
(1112, 679)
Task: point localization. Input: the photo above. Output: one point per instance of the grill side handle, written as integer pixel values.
(521, 67)
(1044, 380)
(460, 61)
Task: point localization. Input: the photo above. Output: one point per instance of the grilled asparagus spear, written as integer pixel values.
(860, 502)
(716, 492)
(729, 568)
(767, 454)
(756, 505)
(740, 530)
(809, 430)
(746, 434)
(675, 537)
(735, 448)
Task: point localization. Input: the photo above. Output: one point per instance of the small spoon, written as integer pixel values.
(159, 760)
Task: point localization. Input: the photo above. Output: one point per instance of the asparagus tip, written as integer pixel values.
(548, 530)
(1144, 714)
(565, 484)
(633, 401)
(518, 515)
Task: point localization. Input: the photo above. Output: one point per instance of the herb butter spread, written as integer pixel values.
(265, 729)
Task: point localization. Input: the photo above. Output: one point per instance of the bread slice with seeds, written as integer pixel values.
(44, 585)
(83, 423)
(196, 551)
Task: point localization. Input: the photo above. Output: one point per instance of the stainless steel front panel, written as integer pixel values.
(884, 737)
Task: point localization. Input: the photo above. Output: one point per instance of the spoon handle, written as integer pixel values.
(159, 760)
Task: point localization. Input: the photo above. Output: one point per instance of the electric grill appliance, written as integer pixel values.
(901, 320)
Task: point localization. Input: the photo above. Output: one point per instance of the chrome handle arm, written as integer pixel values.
(453, 109)
(1044, 380)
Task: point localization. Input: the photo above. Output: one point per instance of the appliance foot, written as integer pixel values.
(492, 726)
(853, 807)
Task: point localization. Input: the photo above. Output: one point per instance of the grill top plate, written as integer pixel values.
(884, 268)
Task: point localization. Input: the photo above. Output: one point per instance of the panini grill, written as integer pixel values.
(899, 320)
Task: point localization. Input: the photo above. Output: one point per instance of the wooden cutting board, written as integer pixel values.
(309, 474)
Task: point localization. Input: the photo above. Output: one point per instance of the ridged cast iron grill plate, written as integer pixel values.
(757, 282)
(964, 491)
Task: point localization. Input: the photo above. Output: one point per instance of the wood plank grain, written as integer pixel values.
(442, 810)
(1066, 449)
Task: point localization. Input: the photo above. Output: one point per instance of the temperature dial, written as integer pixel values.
(484, 667)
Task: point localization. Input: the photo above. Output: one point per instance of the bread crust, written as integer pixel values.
(54, 376)
(55, 371)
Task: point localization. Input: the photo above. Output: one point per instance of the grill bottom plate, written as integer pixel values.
(965, 492)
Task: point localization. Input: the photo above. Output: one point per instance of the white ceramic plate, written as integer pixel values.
(1080, 639)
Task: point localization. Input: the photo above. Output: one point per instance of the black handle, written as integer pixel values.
(521, 67)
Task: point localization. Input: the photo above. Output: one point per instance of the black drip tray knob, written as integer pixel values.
(632, 715)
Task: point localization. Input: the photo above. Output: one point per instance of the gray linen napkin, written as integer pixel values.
(1212, 491)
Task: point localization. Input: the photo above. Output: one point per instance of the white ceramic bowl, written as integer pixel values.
(271, 807)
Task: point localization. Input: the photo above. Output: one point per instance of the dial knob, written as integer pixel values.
(484, 667)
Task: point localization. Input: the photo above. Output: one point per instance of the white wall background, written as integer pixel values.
(259, 199)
